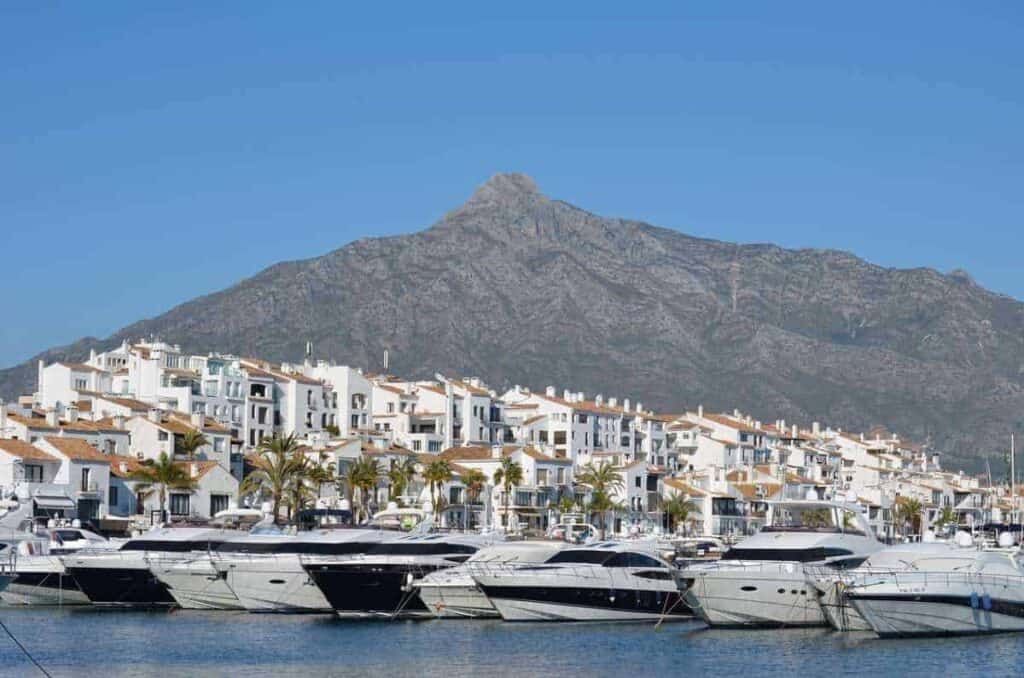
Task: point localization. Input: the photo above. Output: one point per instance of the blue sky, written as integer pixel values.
(149, 155)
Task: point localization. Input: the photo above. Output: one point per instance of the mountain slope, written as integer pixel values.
(516, 287)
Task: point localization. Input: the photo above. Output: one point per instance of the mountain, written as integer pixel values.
(516, 287)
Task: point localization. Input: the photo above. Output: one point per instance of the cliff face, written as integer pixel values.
(516, 287)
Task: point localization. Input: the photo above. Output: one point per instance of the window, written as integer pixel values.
(355, 421)
(434, 446)
(179, 504)
(559, 437)
(218, 503)
(162, 436)
(33, 473)
(416, 445)
(86, 476)
(112, 496)
(391, 408)
(639, 482)
(80, 384)
(218, 444)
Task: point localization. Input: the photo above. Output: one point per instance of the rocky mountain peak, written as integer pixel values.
(506, 189)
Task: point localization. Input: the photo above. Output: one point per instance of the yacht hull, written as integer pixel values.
(358, 590)
(121, 586)
(585, 604)
(273, 584)
(895, 615)
(456, 600)
(43, 588)
(768, 595)
(196, 585)
(839, 611)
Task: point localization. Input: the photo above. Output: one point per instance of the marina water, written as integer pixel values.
(89, 642)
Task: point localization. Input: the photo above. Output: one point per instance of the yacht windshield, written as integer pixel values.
(790, 518)
(585, 557)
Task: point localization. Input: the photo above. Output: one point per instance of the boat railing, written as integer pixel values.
(864, 578)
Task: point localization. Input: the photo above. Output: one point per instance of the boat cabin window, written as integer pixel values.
(420, 549)
(809, 518)
(629, 559)
(583, 557)
(811, 555)
(307, 547)
(169, 546)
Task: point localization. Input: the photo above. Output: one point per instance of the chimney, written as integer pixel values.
(550, 391)
(599, 399)
(579, 397)
(496, 451)
(124, 467)
(736, 414)
(700, 411)
(72, 413)
(625, 404)
(194, 470)
(198, 420)
(51, 417)
(796, 430)
(862, 437)
(757, 424)
(119, 421)
(154, 415)
(815, 428)
(782, 425)
(613, 402)
(567, 395)
(639, 406)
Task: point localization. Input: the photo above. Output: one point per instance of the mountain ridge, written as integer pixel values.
(516, 287)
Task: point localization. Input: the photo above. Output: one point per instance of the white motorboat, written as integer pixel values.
(265, 572)
(761, 582)
(452, 592)
(123, 577)
(378, 582)
(41, 577)
(605, 581)
(832, 584)
(958, 592)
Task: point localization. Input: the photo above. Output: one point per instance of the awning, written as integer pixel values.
(54, 503)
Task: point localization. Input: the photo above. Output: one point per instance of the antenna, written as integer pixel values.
(385, 360)
(309, 348)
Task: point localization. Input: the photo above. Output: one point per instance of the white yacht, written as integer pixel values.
(41, 578)
(962, 591)
(378, 582)
(452, 592)
(761, 582)
(604, 581)
(832, 584)
(265, 574)
(264, 571)
(123, 576)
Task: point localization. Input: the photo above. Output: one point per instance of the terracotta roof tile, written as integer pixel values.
(76, 449)
(22, 450)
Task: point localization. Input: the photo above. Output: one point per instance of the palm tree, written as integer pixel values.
(678, 509)
(278, 460)
(600, 504)
(321, 474)
(298, 494)
(363, 475)
(160, 476)
(475, 481)
(946, 517)
(192, 441)
(566, 504)
(909, 511)
(437, 473)
(399, 477)
(603, 480)
(508, 475)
